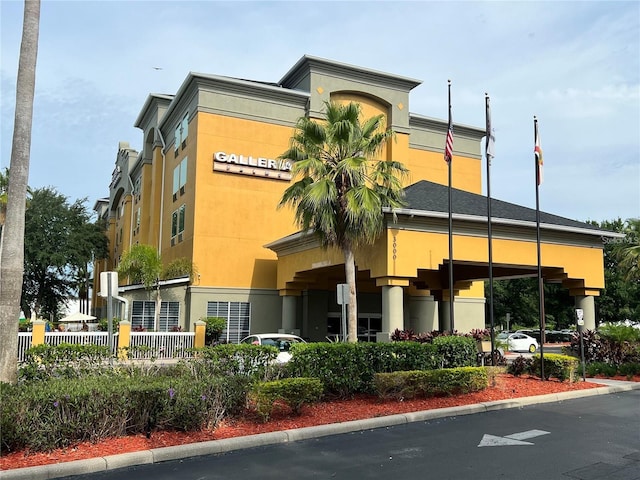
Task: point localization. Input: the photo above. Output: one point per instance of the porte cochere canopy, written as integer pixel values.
(411, 259)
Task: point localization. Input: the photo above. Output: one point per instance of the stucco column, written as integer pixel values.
(392, 308)
(288, 313)
(587, 304)
(445, 315)
(423, 314)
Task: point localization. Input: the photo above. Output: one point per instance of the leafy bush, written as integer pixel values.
(619, 333)
(293, 392)
(348, 368)
(520, 366)
(614, 344)
(562, 367)
(456, 351)
(66, 360)
(214, 327)
(254, 361)
(60, 412)
(601, 368)
(629, 370)
(427, 383)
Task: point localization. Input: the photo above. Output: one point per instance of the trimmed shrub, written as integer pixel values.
(293, 392)
(428, 383)
(562, 367)
(456, 351)
(348, 368)
(66, 360)
(61, 412)
(254, 361)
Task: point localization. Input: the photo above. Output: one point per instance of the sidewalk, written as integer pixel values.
(99, 464)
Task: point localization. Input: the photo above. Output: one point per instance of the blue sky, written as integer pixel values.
(575, 65)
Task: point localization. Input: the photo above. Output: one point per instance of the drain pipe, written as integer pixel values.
(126, 306)
(156, 320)
(164, 146)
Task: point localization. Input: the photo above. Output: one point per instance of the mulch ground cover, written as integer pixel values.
(359, 407)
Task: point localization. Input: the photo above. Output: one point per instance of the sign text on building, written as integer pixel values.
(248, 165)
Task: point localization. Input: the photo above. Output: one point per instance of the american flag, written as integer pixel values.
(448, 148)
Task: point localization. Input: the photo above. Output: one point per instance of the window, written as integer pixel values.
(137, 188)
(181, 133)
(136, 229)
(179, 178)
(169, 315)
(143, 315)
(177, 224)
(237, 314)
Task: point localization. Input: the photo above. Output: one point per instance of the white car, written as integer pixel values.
(282, 341)
(517, 342)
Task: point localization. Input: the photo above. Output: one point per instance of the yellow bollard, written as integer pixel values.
(37, 334)
(201, 327)
(124, 339)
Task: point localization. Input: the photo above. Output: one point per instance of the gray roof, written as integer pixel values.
(433, 197)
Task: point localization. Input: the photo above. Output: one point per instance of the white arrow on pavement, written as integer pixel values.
(513, 439)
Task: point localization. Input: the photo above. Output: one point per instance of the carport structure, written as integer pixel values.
(407, 268)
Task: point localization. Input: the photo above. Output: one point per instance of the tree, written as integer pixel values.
(12, 245)
(620, 299)
(340, 189)
(629, 254)
(142, 264)
(60, 243)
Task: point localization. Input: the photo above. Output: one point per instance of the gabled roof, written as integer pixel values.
(432, 197)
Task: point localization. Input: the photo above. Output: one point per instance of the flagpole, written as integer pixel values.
(449, 158)
(538, 163)
(489, 154)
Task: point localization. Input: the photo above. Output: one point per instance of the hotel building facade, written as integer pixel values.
(207, 183)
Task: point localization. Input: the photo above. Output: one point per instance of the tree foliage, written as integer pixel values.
(340, 189)
(61, 242)
(620, 299)
(142, 264)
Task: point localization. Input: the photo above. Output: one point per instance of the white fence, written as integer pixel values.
(161, 345)
(143, 345)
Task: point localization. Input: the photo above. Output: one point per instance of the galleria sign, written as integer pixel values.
(248, 165)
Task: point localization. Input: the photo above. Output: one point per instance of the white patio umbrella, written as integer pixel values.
(77, 317)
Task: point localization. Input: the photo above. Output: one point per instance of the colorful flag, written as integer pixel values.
(538, 153)
(490, 136)
(448, 147)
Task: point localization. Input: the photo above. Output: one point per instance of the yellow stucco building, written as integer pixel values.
(207, 183)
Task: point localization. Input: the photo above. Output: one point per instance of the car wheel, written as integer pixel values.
(532, 348)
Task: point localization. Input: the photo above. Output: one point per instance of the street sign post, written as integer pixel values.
(342, 295)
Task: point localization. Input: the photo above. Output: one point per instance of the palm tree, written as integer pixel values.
(630, 255)
(340, 189)
(142, 264)
(12, 249)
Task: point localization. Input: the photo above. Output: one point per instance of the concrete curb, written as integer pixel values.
(157, 455)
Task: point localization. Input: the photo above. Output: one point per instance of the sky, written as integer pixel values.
(574, 65)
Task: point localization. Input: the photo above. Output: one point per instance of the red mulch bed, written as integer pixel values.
(360, 407)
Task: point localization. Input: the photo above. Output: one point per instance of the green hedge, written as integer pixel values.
(562, 367)
(293, 392)
(429, 383)
(348, 368)
(60, 412)
(456, 351)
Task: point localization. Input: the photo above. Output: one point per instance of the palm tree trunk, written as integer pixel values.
(12, 253)
(350, 273)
